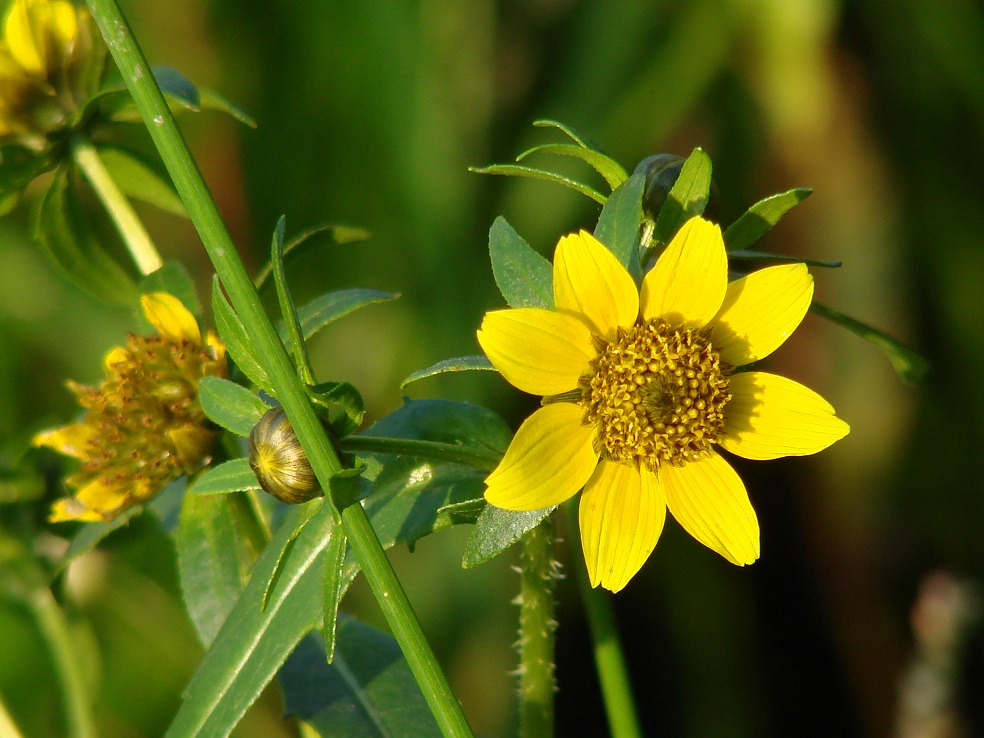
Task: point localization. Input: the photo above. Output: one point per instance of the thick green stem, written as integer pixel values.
(616, 690)
(65, 660)
(130, 227)
(242, 294)
(536, 633)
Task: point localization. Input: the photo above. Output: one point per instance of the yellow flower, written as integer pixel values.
(144, 426)
(639, 387)
(40, 42)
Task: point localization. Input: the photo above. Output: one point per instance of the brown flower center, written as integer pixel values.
(656, 394)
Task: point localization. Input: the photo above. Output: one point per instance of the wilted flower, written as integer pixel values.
(144, 425)
(639, 389)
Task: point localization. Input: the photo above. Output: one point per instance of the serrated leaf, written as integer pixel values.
(522, 275)
(230, 405)
(217, 541)
(515, 170)
(63, 231)
(762, 216)
(909, 365)
(619, 222)
(141, 179)
(325, 309)
(233, 334)
(608, 168)
(229, 476)
(751, 255)
(498, 529)
(174, 279)
(687, 198)
(304, 243)
(459, 364)
(369, 692)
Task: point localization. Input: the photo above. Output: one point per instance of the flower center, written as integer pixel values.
(656, 394)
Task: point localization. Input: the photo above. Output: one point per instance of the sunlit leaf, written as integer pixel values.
(687, 198)
(459, 364)
(522, 275)
(229, 476)
(230, 405)
(618, 224)
(141, 178)
(515, 170)
(233, 334)
(608, 168)
(762, 216)
(497, 530)
(325, 309)
(306, 241)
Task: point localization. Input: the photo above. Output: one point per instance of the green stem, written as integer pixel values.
(536, 633)
(609, 660)
(242, 294)
(127, 223)
(487, 461)
(65, 659)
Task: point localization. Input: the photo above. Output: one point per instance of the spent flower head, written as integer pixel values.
(641, 387)
(143, 425)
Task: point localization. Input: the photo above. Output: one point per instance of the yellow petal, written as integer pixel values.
(539, 351)
(69, 508)
(760, 311)
(171, 319)
(708, 499)
(690, 278)
(192, 444)
(71, 440)
(770, 416)
(621, 514)
(590, 283)
(550, 459)
(97, 500)
(40, 32)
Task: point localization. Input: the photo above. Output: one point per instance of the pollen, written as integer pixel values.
(656, 395)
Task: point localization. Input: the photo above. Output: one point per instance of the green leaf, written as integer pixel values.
(514, 170)
(230, 476)
(213, 101)
(762, 216)
(174, 279)
(619, 222)
(218, 541)
(292, 327)
(230, 405)
(304, 243)
(177, 87)
(325, 309)
(608, 168)
(523, 276)
(577, 137)
(459, 364)
(141, 179)
(66, 238)
(497, 530)
(344, 403)
(333, 590)
(254, 641)
(750, 255)
(687, 198)
(18, 166)
(233, 334)
(909, 365)
(369, 692)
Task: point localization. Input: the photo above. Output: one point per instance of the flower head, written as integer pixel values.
(45, 45)
(144, 425)
(640, 388)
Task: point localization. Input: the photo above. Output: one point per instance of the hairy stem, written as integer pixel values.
(536, 632)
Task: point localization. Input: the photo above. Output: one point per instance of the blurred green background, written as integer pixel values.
(369, 114)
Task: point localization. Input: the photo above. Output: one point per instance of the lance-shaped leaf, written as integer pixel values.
(522, 275)
(306, 242)
(762, 216)
(233, 334)
(498, 529)
(230, 405)
(608, 168)
(325, 309)
(459, 364)
(618, 224)
(229, 476)
(368, 692)
(687, 198)
(515, 170)
(765, 256)
(292, 324)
